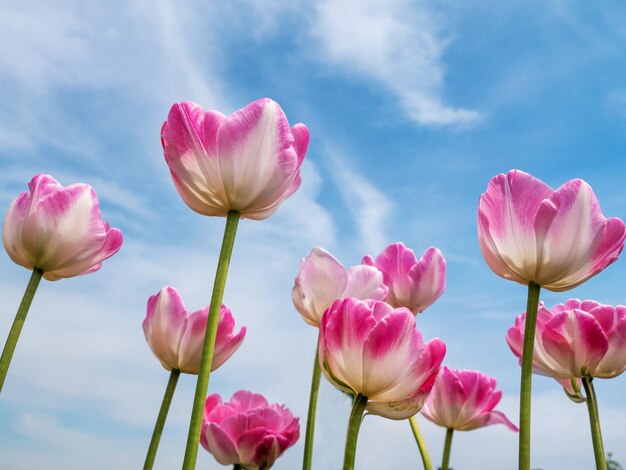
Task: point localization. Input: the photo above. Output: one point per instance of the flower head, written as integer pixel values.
(176, 336)
(414, 284)
(322, 280)
(574, 340)
(248, 162)
(58, 229)
(368, 347)
(557, 239)
(464, 400)
(247, 430)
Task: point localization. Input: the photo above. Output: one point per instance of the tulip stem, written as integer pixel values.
(527, 375)
(195, 424)
(18, 323)
(594, 421)
(419, 439)
(310, 421)
(445, 461)
(354, 424)
(158, 427)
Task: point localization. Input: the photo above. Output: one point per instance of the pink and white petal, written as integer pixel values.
(428, 277)
(225, 348)
(572, 238)
(200, 199)
(509, 206)
(248, 442)
(403, 409)
(345, 326)
(220, 444)
(244, 400)
(189, 138)
(364, 282)
(300, 135)
(257, 157)
(575, 341)
(395, 262)
(164, 325)
(192, 342)
(614, 361)
(211, 404)
(497, 417)
(572, 388)
(321, 281)
(268, 451)
(388, 353)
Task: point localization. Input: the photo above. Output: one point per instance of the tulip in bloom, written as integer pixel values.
(247, 162)
(176, 336)
(322, 280)
(414, 284)
(369, 348)
(574, 340)
(247, 431)
(529, 232)
(58, 229)
(464, 400)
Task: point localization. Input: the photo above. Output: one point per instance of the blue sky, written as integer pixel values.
(412, 108)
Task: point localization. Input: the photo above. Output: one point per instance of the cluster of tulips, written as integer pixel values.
(369, 346)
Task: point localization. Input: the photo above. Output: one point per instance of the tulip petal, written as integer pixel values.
(364, 282)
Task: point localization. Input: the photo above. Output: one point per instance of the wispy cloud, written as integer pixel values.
(369, 207)
(399, 45)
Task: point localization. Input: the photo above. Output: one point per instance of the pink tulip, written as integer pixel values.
(248, 162)
(247, 431)
(575, 340)
(322, 280)
(464, 400)
(368, 347)
(58, 230)
(557, 239)
(176, 336)
(414, 284)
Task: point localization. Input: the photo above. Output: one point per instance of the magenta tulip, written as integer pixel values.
(576, 339)
(248, 162)
(464, 400)
(176, 337)
(529, 232)
(247, 431)
(371, 349)
(58, 230)
(414, 284)
(322, 280)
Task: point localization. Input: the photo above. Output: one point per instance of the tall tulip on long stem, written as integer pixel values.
(56, 232)
(540, 237)
(244, 165)
(321, 280)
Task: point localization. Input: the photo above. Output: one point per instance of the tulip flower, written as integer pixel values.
(322, 280)
(247, 432)
(248, 162)
(529, 232)
(176, 337)
(463, 400)
(414, 284)
(244, 165)
(375, 352)
(534, 235)
(577, 341)
(57, 232)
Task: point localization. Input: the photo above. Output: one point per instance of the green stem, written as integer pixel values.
(158, 427)
(195, 424)
(420, 443)
(310, 421)
(354, 424)
(445, 461)
(527, 375)
(594, 421)
(18, 323)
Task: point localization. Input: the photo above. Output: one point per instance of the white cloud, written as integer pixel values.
(369, 207)
(396, 43)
